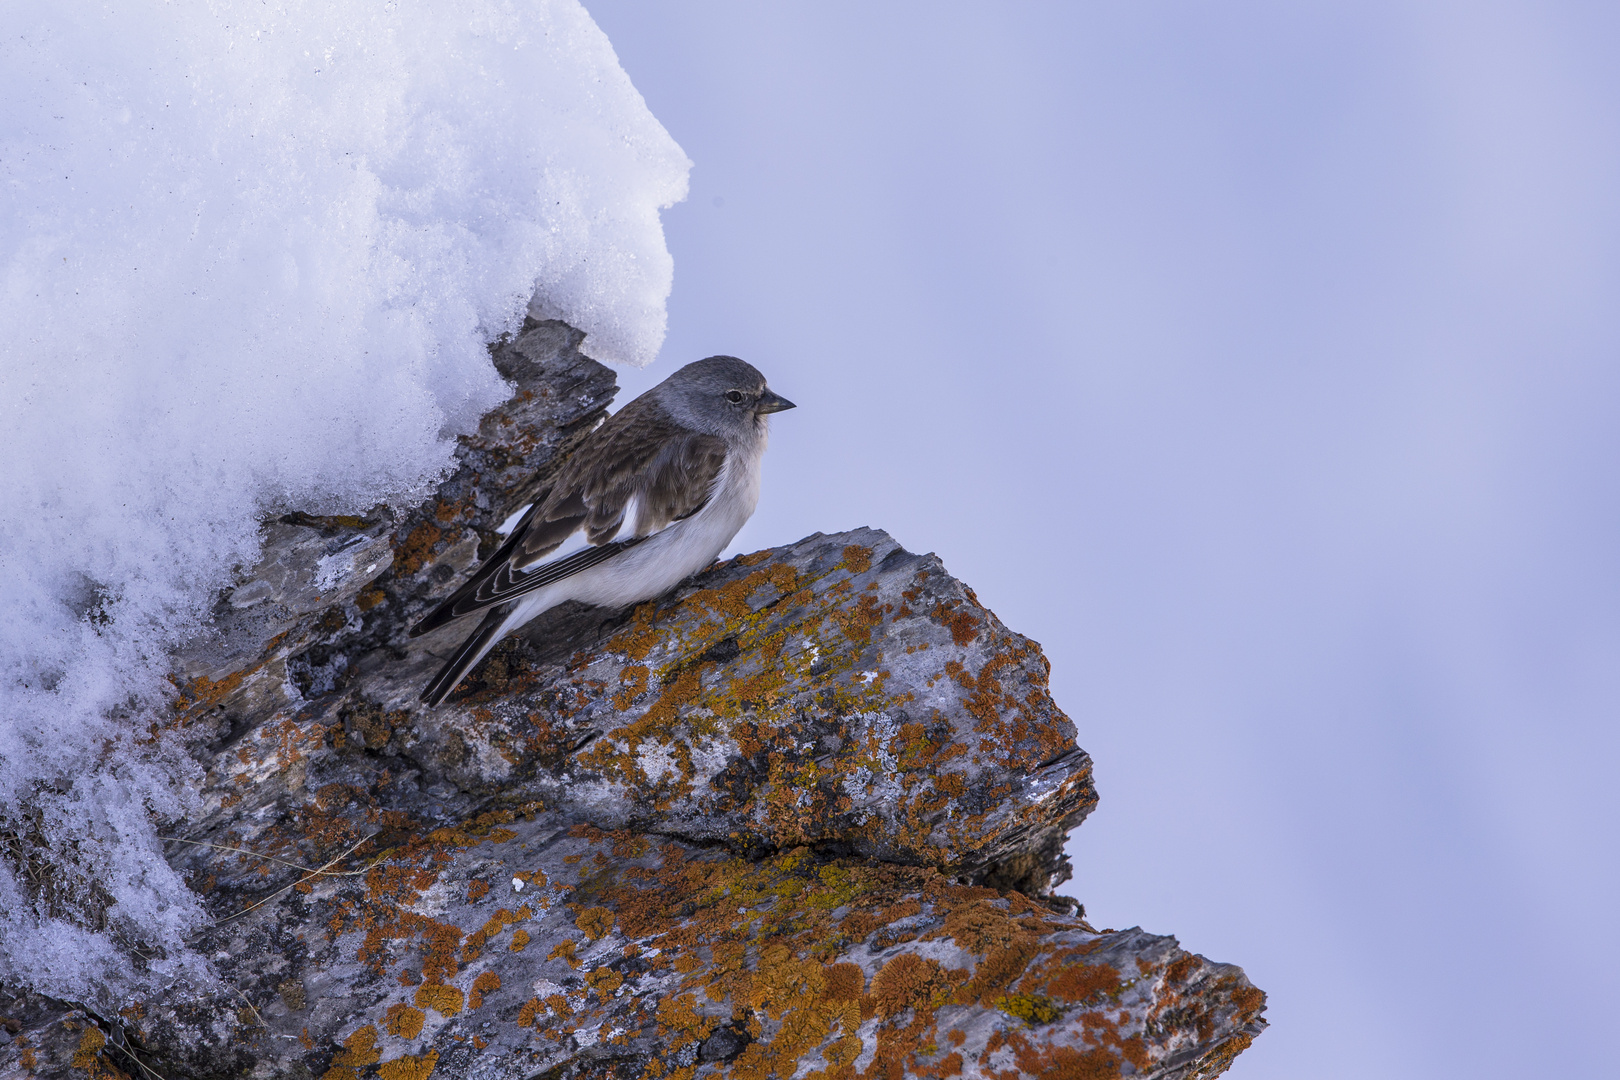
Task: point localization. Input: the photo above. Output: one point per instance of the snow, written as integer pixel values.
(250, 256)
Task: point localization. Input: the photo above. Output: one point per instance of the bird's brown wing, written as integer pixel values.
(679, 481)
(640, 453)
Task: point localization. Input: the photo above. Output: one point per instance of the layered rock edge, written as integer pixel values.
(803, 817)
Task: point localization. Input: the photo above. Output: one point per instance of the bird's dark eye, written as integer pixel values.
(734, 396)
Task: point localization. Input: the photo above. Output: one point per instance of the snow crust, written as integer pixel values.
(250, 257)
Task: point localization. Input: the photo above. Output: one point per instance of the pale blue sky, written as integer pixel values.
(1259, 360)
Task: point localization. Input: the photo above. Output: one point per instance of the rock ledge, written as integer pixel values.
(804, 817)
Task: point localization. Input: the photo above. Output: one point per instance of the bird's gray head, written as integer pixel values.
(721, 396)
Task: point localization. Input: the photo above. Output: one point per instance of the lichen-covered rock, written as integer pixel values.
(521, 945)
(802, 817)
(841, 693)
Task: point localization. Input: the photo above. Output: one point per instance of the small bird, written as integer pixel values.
(649, 498)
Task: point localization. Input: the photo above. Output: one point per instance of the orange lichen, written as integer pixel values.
(1218, 1060)
(1081, 982)
(487, 983)
(359, 1050)
(595, 922)
(413, 552)
(858, 925)
(444, 1000)
(843, 982)
(964, 628)
(1064, 1062)
(604, 981)
(909, 981)
(477, 889)
(88, 1053)
(1180, 968)
(440, 961)
(1248, 999)
(520, 940)
(404, 1021)
(474, 948)
(202, 693)
(903, 910)
(980, 927)
(633, 680)
(857, 558)
(857, 622)
(997, 971)
(409, 1068)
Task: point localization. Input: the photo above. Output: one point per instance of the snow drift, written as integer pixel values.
(250, 257)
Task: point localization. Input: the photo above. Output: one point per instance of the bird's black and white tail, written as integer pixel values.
(479, 642)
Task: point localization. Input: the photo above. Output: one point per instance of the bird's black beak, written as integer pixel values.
(769, 403)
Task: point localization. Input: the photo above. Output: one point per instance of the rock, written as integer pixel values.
(804, 816)
(840, 693)
(726, 1044)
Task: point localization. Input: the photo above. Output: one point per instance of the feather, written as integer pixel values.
(640, 460)
(472, 650)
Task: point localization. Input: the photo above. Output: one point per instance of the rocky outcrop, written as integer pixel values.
(803, 817)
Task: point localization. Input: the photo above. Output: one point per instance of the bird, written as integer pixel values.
(650, 497)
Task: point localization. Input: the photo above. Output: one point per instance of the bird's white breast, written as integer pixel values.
(664, 559)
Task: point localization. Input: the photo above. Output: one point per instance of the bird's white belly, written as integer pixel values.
(663, 560)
